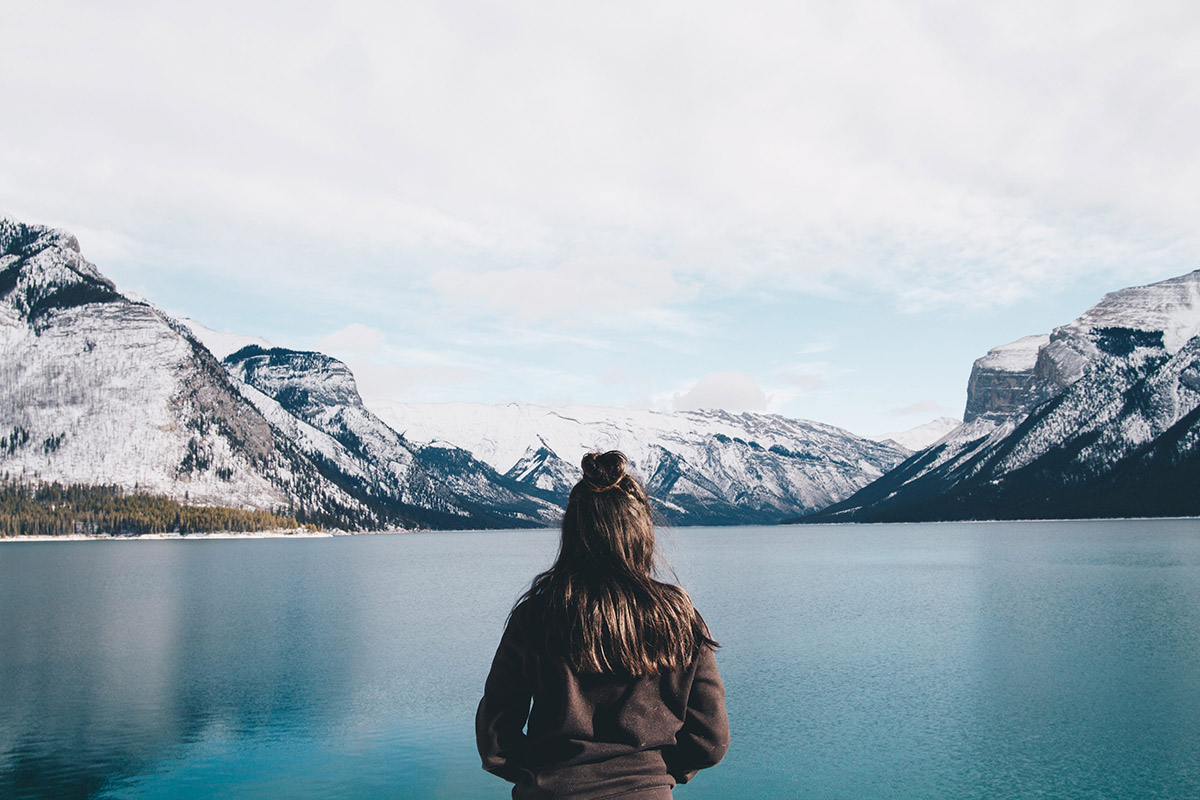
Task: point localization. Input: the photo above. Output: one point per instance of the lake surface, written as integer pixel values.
(892, 661)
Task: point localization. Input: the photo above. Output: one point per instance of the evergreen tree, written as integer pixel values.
(51, 509)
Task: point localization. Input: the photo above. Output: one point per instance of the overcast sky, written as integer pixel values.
(825, 210)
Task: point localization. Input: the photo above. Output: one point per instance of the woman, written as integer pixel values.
(626, 699)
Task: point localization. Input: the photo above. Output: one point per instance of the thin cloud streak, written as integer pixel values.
(921, 407)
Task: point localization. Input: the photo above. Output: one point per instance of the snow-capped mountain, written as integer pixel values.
(701, 466)
(1100, 418)
(222, 343)
(100, 387)
(314, 398)
(96, 387)
(921, 436)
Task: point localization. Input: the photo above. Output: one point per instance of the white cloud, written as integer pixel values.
(731, 391)
(410, 382)
(804, 377)
(941, 152)
(384, 371)
(353, 340)
(816, 346)
(611, 176)
(923, 407)
(594, 291)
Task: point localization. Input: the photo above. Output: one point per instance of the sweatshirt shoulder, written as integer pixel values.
(528, 613)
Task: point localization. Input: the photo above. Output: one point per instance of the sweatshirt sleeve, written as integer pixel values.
(500, 720)
(704, 737)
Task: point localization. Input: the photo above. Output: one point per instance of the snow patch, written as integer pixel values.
(222, 344)
(1018, 356)
(922, 436)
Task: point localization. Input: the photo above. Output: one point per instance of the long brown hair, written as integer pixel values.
(605, 612)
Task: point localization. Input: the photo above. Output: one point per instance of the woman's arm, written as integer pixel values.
(704, 737)
(500, 720)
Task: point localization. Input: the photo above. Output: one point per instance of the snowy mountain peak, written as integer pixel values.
(222, 343)
(41, 271)
(97, 387)
(1171, 306)
(1106, 423)
(921, 436)
(702, 466)
(301, 381)
(18, 237)
(1134, 323)
(1018, 356)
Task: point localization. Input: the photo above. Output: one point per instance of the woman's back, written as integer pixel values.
(626, 698)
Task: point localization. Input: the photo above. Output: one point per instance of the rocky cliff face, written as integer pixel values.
(1110, 426)
(1003, 382)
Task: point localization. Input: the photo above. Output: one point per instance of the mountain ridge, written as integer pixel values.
(1106, 419)
(713, 465)
(100, 388)
(103, 387)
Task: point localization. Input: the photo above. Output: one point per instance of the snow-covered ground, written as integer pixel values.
(222, 343)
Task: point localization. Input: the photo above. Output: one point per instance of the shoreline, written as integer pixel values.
(300, 533)
(173, 537)
(987, 521)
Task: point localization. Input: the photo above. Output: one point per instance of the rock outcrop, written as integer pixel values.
(1003, 382)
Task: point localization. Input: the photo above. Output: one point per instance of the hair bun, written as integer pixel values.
(604, 470)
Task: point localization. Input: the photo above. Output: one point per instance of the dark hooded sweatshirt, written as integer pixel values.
(594, 736)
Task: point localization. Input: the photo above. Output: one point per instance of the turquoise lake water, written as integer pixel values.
(985, 660)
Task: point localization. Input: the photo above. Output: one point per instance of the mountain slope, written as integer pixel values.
(704, 467)
(98, 388)
(922, 436)
(329, 422)
(1105, 425)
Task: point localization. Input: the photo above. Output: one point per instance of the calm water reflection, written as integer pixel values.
(909, 661)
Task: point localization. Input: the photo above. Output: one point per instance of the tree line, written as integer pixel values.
(52, 509)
